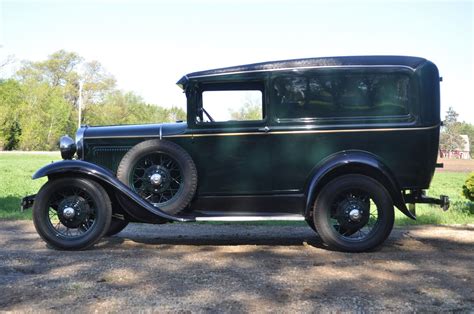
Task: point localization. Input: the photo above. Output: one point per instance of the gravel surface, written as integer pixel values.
(237, 268)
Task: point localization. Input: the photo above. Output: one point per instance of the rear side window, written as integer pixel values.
(341, 95)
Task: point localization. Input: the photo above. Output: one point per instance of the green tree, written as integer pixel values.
(129, 108)
(98, 83)
(450, 138)
(58, 71)
(451, 117)
(64, 70)
(251, 110)
(11, 100)
(41, 103)
(44, 117)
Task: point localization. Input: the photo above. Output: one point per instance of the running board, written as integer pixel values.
(252, 218)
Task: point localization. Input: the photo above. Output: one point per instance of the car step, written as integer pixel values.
(251, 218)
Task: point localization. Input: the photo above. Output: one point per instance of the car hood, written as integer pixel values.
(138, 130)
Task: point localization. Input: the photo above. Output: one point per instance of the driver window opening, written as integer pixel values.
(231, 105)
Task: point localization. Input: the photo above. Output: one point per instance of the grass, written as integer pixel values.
(461, 210)
(15, 181)
(16, 171)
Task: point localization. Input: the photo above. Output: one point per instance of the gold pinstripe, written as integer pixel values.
(272, 133)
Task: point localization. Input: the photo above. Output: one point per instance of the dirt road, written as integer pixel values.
(456, 165)
(237, 268)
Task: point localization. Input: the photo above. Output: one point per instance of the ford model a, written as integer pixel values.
(338, 142)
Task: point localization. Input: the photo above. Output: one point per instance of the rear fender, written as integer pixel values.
(350, 162)
(107, 178)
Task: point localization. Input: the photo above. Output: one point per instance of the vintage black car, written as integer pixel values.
(336, 141)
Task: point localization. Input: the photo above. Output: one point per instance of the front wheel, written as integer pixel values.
(353, 213)
(72, 213)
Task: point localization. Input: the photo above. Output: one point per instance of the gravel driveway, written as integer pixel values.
(237, 268)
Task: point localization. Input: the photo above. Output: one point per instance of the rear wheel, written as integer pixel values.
(72, 213)
(353, 213)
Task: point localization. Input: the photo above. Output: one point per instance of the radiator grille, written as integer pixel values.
(109, 156)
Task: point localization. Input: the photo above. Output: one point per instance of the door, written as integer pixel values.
(231, 147)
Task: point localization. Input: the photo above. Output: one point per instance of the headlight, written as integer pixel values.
(67, 147)
(80, 142)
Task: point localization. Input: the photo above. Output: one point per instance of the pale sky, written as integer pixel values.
(149, 45)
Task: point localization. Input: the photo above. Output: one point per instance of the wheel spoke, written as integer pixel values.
(84, 212)
(352, 215)
(170, 172)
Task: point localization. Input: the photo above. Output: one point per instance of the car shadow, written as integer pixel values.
(215, 235)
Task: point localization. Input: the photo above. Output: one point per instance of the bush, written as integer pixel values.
(468, 187)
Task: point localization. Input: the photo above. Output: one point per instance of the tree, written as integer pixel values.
(98, 83)
(44, 117)
(129, 108)
(64, 70)
(450, 138)
(251, 110)
(58, 71)
(451, 118)
(40, 104)
(11, 100)
(450, 141)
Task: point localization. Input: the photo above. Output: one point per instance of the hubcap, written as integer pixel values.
(71, 212)
(156, 179)
(68, 212)
(355, 215)
(352, 212)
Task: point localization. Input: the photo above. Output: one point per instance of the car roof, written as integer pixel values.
(405, 61)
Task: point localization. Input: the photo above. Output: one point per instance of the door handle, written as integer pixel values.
(265, 129)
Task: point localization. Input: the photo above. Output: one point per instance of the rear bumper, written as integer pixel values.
(419, 196)
(27, 202)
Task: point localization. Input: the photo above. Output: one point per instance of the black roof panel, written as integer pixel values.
(411, 62)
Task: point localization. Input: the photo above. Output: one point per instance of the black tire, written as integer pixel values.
(310, 223)
(91, 210)
(354, 194)
(116, 225)
(151, 151)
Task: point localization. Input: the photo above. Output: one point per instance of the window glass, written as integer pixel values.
(341, 95)
(231, 105)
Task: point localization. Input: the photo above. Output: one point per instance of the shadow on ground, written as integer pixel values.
(237, 268)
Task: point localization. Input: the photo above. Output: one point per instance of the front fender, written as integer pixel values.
(102, 175)
(354, 162)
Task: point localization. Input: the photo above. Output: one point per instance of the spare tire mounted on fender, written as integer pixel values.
(161, 172)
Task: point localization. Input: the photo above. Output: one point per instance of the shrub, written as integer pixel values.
(468, 187)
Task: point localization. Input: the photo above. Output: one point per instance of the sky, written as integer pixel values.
(149, 45)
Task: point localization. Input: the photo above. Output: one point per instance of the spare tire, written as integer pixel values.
(161, 172)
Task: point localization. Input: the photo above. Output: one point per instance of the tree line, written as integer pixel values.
(450, 137)
(40, 102)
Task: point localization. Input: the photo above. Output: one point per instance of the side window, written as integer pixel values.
(231, 105)
(342, 95)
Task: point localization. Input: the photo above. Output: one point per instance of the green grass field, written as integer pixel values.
(16, 171)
